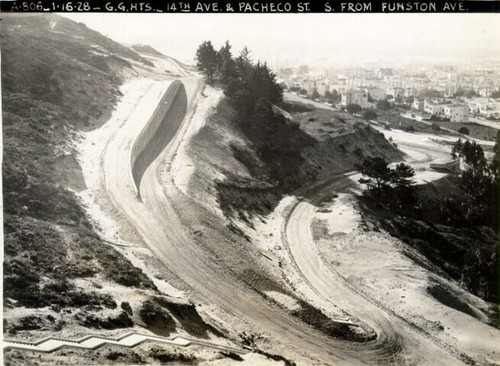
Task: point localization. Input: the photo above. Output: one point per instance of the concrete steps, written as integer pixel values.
(52, 344)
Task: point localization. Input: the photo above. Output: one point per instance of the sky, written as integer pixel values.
(314, 39)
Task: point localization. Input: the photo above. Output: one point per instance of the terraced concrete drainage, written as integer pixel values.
(51, 344)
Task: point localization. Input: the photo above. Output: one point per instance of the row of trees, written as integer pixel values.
(479, 183)
(252, 90)
(245, 82)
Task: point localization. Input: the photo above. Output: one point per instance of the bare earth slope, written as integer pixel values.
(66, 272)
(53, 87)
(284, 245)
(203, 242)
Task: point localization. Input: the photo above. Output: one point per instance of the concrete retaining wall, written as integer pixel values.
(158, 131)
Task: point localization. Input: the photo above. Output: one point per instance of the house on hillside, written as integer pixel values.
(356, 96)
(375, 93)
(418, 104)
(486, 107)
(457, 112)
(435, 108)
(396, 92)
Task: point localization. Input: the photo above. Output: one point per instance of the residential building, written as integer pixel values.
(375, 93)
(476, 105)
(457, 112)
(434, 108)
(418, 104)
(356, 96)
(396, 92)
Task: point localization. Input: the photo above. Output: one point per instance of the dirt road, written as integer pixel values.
(161, 228)
(396, 341)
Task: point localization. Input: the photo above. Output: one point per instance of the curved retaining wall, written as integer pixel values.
(158, 131)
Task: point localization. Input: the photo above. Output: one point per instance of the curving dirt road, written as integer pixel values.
(161, 228)
(397, 340)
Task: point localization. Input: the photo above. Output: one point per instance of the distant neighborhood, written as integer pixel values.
(424, 93)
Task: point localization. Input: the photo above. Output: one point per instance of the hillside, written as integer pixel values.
(60, 79)
(290, 156)
(141, 199)
(164, 63)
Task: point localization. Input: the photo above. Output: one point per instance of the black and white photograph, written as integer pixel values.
(250, 189)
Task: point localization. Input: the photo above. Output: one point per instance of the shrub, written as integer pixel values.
(353, 108)
(369, 114)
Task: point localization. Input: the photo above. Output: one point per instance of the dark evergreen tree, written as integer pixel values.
(206, 60)
(225, 64)
(402, 176)
(383, 105)
(315, 95)
(378, 172)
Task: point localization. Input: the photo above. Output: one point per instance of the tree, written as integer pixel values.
(472, 153)
(403, 185)
(243, 64)
(430, 94)
(496, 94)
(495, 164)
(332, 96)
(394, 186)
(401, 178)
(315, 95)
(369, 115)
(206, 60)
(468, 93)
(383, 105)
(246, 83)
(353, 108)
(378, 172)
(464, 130)
(479, 183)
(225, 64)
(262, 83)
